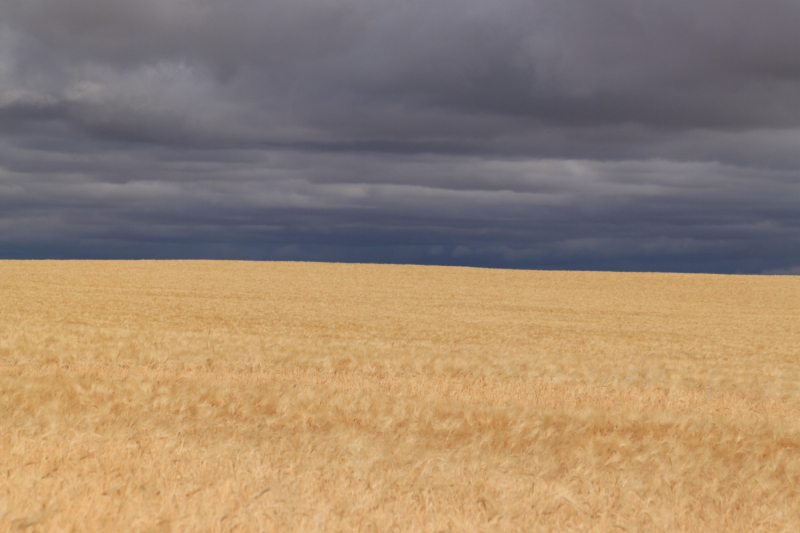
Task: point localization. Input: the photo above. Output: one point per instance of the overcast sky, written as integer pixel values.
(658, 135)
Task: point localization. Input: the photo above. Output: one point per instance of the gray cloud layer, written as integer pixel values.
(635, 134)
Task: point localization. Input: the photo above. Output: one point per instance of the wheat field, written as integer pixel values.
(243, 396)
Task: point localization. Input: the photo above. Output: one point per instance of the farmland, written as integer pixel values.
(222, 396)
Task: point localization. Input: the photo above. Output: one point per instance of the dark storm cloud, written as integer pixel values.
(658, 135)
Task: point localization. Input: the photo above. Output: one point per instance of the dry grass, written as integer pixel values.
(221, 396)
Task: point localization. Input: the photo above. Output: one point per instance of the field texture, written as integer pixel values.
(222, 396)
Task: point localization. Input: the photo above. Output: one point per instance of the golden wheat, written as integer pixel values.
(221, 396)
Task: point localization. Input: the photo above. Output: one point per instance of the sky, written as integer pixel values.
(628, 135)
